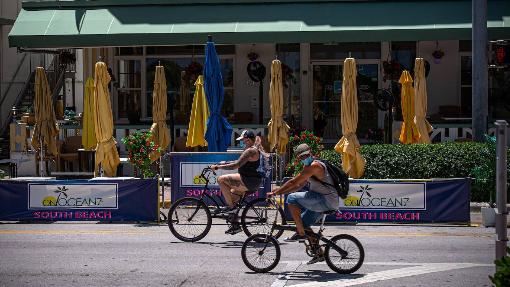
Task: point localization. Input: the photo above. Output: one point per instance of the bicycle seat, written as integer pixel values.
(327, 212)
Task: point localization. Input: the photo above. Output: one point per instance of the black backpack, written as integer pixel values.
(339, 177)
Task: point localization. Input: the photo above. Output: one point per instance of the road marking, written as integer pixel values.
(413, 269)
(283, 278)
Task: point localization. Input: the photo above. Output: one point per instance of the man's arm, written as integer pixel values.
(299, 181)
(244, 158)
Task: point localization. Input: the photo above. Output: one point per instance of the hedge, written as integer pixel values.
(424, 161)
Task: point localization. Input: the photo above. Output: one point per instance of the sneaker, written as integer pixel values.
(315, 259)
(295, 237)
(234, 228)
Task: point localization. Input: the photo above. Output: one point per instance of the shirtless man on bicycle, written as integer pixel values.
(234, 186)
(306, 207)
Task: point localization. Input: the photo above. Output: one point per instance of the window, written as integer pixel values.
(288, 54)
(181, 74)
(465, 84)
(129, 88)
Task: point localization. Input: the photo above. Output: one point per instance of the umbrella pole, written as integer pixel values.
(41, 154)
(162, 180)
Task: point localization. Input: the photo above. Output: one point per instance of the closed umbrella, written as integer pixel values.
(219, 130)
(159, 130)
(278, 128)
(409, 132)
(106, 150)
(352, 161)
(420, 90)
(88, 138)
(198, 117)
(46, 128)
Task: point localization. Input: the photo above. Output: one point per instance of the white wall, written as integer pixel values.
(443, 81)
(246, 92)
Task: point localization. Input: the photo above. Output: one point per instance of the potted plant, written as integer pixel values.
(139, 146)
(485, 178)
(437, 54)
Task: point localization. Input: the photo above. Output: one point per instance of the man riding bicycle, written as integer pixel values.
(234, 186)
(306, 207)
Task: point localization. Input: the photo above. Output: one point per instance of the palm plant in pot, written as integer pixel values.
(485, 178)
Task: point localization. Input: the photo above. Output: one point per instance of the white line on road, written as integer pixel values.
(282, 278)
(413, 270)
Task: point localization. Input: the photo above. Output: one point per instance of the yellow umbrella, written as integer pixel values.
(420, 90)
(160, 133)
(409, 132)
(278, 128)
(88, 138)
(46, 128)
(106, 151)
(199, 116)
(352, 161)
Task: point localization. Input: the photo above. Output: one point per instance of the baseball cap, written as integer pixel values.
(302, 149)
(246, 134)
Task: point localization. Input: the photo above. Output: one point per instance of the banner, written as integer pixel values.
(187, 167)
(404, 201)
(95, 199)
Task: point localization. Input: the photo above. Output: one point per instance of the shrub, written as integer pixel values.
(423, 161)
(502, 276)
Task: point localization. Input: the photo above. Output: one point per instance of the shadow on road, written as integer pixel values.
(226, 244)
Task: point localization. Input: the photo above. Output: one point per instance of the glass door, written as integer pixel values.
(326, 101)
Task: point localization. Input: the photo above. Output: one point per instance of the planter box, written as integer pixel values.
(488, 216)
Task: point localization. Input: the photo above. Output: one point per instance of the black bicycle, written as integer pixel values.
(190, 218)
(343, 253)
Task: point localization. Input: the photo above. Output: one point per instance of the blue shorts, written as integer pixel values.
(312, 205)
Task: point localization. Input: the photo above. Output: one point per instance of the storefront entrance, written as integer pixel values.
(327, 90)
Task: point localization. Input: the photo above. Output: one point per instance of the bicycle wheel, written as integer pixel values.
(258, 217)
(349, 263)
(260, 253)
(189, 219)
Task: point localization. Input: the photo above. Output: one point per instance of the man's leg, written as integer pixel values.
(295, 211)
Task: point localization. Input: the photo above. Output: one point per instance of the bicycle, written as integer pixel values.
(343, 253)
(190, 218)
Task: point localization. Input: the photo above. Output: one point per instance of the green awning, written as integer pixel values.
(127, 23)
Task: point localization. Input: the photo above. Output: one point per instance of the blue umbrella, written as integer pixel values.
(219, 130)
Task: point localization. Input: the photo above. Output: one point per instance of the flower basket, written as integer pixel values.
(139, 146)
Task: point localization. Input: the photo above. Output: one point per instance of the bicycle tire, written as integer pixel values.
(355, 254)
(257, 218)
(256, 249)
(198, 226)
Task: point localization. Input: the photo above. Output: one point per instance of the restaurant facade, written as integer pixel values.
(311, 39)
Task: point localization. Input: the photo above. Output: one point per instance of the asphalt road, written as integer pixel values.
(93, 254)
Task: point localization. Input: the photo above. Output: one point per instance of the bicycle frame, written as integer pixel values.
(318, 236)
(217, 200)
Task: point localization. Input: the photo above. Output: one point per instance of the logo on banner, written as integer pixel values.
(385, 196)
(191, 171)
(73, 196)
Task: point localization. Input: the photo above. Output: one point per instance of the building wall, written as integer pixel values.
(246, 95)
(9, 58)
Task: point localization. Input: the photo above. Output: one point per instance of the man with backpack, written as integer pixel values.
(249, 177)
(306, 207)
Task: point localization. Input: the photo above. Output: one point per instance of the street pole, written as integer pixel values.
(501, 188)
(479, 70)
